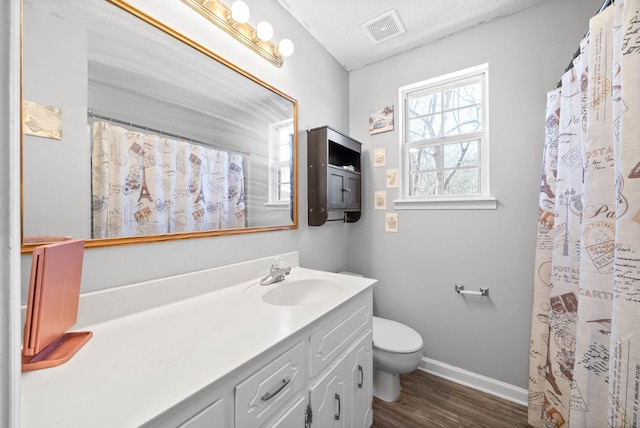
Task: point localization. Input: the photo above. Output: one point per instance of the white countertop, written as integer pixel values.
(139, 365)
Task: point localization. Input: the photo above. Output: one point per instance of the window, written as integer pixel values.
(280, 148)
(444, 142)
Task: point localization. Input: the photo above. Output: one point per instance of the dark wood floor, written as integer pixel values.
(432, 402)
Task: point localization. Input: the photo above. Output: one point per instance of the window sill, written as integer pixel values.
(277, 206)
(463, 203)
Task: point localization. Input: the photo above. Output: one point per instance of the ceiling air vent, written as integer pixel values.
(383, 27)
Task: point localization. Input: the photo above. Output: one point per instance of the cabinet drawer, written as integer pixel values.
(264, 392)
(334, 338)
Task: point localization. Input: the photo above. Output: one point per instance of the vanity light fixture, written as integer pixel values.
(285, 47)
(264, 31)
(240, 11)
(234, 22)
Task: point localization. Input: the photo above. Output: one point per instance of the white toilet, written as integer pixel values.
(397, 349)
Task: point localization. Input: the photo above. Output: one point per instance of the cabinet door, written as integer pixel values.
(329, 405)
(361, 383)
(353, 191)
(343, 189)
(336, 188)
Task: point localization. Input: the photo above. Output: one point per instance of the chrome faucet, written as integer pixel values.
(276, 274)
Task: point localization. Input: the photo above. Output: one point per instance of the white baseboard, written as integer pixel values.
(473, 380)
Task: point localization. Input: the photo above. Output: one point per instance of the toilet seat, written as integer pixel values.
(392, 336)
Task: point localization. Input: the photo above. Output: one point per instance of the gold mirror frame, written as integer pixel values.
(27, 248)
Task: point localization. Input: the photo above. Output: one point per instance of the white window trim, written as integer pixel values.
(274, 204)
(277, 206)
(459, 203)
(440, 202)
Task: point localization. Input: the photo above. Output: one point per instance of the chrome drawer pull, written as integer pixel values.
(279, 388)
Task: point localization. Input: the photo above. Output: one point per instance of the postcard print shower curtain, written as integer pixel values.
(148, 184)
(585, 329)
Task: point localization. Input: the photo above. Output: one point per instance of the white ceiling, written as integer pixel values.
(336, 23)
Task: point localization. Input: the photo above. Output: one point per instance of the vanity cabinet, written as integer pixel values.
(334, 176)
(320, 378)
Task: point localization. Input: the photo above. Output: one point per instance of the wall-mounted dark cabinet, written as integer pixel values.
(333, 173)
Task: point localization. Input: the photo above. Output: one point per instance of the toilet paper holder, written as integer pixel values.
(483, 291)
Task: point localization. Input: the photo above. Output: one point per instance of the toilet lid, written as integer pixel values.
(395, 337)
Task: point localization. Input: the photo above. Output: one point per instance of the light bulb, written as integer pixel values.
(285, 47)
(264, 31)
(240, 12)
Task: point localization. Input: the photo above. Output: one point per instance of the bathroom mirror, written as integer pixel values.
(133, 133)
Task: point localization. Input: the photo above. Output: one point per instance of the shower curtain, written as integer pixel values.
(148, 184)
(584, 366)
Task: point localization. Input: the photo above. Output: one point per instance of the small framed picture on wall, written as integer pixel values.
(391, 222)
(392, 178)
(381, 120)
(380, 199)
(379, 157)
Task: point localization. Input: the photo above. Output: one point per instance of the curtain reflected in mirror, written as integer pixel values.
(132, 133)
(145, 184)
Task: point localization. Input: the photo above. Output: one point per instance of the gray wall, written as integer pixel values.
(61, 86)
(418, 266)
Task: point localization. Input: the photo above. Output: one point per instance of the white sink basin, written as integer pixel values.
(303, 290)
